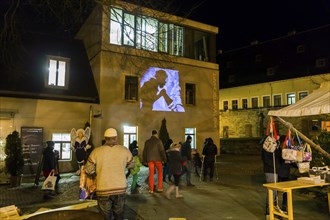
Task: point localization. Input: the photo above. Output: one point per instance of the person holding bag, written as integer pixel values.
(50, 168)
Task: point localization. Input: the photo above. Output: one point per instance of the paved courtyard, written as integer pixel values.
(235, 193)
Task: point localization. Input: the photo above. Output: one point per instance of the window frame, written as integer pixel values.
(192, 133)
(234, 104)
(245, 103)
(252, 102)
(289, 99)
(61, 143)
(275, 100)
(190, 94)
(170, 41)
(66, 77)
(300, 48)
(321, 62)
(300, 96)
(225, 104)
(131, 88)
(265, 99)
(130, 135)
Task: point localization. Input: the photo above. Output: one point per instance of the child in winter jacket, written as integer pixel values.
(135, 171)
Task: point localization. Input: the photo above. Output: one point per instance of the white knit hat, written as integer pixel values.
(110, 132)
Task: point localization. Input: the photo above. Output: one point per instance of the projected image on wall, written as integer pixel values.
(160, 90)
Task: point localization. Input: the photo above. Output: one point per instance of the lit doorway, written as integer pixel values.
(130, 135)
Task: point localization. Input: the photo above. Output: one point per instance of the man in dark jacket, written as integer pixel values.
(185, 152)
(210, 151)
(154, 156)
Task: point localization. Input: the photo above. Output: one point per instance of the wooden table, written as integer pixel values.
(287, 187)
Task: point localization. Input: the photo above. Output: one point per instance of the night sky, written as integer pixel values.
(243, 21)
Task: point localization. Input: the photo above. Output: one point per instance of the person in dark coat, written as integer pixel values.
(133, 146)
(271, 166)
(197, 161)
(49, 165)
(175, 168)
(165, 168)
(210, 150)
(154, 156)
(185, 152)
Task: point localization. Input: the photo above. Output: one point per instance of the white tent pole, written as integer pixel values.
(302, 136)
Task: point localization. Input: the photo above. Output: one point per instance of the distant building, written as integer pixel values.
(98, 78)
(270, 75)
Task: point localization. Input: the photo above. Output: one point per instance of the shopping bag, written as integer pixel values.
(49, 183)
(307, 156)
(290, 151)
(270, 144)
(303, 167)
(292, 155)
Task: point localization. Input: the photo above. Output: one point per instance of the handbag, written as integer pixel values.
(291, 152)
(303, 167)
(270, 144)
(49, 183)
(307, 153)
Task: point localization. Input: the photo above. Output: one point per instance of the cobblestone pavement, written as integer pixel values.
(235, 193)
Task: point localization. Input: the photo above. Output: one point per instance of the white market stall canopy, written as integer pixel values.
(316, 103)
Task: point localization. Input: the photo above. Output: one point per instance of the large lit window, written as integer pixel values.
(62, 145)
(176, 35)
(115, 26)
(291, 98)
(190, 93)
(131, 88)
(146, 37)
(130, 135)
(129, 29)
(58, 68)
(145, 33)
(192, 133)
(163, 37)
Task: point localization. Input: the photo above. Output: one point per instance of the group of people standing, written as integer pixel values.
(174, 160)
(109, 162)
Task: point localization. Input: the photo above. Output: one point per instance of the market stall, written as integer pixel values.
(316, 103)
